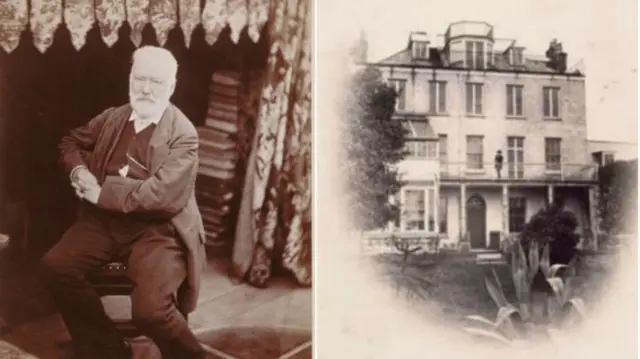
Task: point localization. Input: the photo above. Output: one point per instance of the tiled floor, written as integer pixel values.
(235, 321)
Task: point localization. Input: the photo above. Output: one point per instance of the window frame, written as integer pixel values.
(552, 166)
(511, 100)
(518, 173)
(551, 101)
(419, 50)
(426, 213)
(437, 97)
(476, 87)
(477, 55)
(468, 166)
(513, 227)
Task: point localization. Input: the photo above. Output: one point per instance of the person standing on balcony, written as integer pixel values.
(498, 160)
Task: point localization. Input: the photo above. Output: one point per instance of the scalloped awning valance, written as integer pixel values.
(43, 17)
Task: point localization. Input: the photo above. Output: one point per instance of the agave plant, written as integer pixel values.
(537, 285)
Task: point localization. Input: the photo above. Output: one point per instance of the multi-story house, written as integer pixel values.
(465, 95)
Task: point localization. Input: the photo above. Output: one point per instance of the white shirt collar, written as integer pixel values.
(152, 120)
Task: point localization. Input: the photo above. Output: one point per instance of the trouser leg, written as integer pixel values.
(83, 248)
(158, 266)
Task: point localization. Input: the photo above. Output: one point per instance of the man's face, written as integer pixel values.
(150, 87)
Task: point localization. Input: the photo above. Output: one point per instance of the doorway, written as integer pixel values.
(477, 221)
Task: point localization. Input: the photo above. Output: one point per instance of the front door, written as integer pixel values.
(476, 221)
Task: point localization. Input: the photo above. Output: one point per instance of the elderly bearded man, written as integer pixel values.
(134, 167)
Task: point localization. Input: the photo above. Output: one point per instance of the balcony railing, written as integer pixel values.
(525, 172)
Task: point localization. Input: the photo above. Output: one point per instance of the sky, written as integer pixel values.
(601, 34)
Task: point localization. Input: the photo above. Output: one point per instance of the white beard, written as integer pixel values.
(147, 109)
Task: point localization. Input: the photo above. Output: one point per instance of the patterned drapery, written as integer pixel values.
(276, 201)
(45, 16)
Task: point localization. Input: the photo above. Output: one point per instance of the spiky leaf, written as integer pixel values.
(481, 319)
(578, 304)
(534, 261)
(553, 270)
(496, 294)
(497, 279)
(544, 260)
(558, 287)
(489, 334)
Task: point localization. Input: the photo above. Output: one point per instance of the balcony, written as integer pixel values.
(524, 172)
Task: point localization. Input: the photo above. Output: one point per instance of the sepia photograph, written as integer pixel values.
(156, 179)
(487, 158)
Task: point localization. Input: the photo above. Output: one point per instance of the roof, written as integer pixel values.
(534, 65)
(418, 127)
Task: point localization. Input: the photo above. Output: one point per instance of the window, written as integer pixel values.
(421, 149)
(474, 99)
(517, 57)
(419, 209)
(517, 214)
(515, 157)
(609, 158)
(553, 154)
(514, 100)
(475, 58)
(550, 104)
(475, 153)
(400, 86)
(442, 214)
(414, 208)
(420, 50)
(437, 96)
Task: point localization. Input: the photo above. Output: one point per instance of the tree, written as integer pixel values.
(555, 226)
(373, 144)
(618, 197)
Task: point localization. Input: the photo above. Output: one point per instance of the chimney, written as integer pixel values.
(557, 57)
(561, 62)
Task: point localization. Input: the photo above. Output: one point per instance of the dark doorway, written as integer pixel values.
(477, 221)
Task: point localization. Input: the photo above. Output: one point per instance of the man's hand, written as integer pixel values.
(84, 179)
(90, 193)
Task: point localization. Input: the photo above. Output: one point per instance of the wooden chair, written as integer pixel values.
(112, 279)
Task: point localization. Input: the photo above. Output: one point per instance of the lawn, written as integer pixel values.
(452, 286)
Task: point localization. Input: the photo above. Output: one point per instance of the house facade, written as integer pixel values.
(465, 95)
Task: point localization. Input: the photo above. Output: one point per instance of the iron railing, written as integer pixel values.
(380, 242)
(570, 172)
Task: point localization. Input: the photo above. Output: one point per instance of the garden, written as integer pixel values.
(544, 286)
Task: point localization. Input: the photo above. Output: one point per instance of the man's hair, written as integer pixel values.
(157, 54)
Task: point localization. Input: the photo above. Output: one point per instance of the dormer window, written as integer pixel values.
(517, 57)
(475, 55)
(419, 50)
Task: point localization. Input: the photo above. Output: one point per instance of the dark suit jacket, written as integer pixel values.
(168, 192)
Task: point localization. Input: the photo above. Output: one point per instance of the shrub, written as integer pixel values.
(516, 325)
(555, 226)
